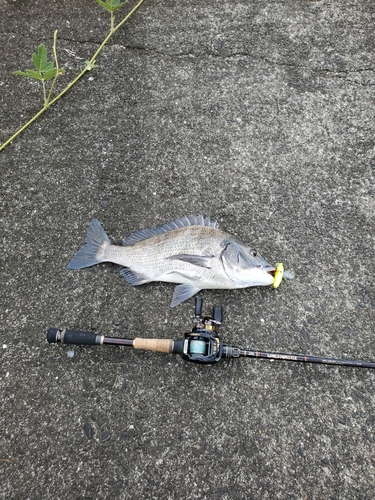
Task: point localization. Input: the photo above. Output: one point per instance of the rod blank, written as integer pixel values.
(306, 359)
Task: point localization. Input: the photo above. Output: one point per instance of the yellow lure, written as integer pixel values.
(278, 276)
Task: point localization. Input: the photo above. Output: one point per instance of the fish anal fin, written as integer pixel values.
(183, 292)
(196, 260)
(132, 277)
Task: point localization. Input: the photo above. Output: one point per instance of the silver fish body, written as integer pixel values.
(191, 251)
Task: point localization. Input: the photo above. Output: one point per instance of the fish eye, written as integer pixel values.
(254, 253)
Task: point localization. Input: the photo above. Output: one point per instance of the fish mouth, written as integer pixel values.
(270, 270)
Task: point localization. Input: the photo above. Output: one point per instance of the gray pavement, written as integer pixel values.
(259, 114)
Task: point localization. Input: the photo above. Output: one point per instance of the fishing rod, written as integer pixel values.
(202, 345)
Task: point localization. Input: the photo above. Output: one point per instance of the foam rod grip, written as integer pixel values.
(157, 345)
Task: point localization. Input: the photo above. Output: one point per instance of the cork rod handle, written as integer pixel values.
(156, 345)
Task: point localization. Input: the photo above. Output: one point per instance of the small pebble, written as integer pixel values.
(106, 436)
(89, 430)
(70, 353)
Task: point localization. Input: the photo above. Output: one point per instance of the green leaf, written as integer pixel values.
(103, 4)
(29, 73)
(89, 65)
(116, 4)
(111, 5)
(51, 73)
(40, 60)
(47, 67)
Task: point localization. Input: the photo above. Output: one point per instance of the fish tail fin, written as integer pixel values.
(93, 252)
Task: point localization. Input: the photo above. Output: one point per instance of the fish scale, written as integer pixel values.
(191, 251)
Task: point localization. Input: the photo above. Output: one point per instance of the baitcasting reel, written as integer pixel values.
(201, 345)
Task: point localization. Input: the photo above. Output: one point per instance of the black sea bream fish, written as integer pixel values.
(191, 251)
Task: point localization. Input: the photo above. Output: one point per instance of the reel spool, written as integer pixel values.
(203, 345)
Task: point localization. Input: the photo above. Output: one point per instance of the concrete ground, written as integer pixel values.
(259, 114)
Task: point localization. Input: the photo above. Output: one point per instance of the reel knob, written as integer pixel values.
(217, 314)
(198, 306)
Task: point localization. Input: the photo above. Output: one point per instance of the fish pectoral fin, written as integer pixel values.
(196, 260)
(132, 277)
(183, 292)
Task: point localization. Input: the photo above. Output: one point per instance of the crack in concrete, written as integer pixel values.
(332, 73)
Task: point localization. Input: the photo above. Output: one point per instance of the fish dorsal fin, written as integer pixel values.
(187, 220)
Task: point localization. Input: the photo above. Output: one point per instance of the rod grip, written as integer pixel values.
(77, 337)
(156, 345)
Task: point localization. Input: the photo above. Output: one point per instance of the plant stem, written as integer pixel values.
(47, 102)
(23, 128)
(57, 68)
(112, 21)
(44, 93)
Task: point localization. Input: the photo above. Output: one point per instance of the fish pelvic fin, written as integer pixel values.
(183, 292)
(93, 252)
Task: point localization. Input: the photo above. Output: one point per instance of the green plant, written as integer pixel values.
(47, 71)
